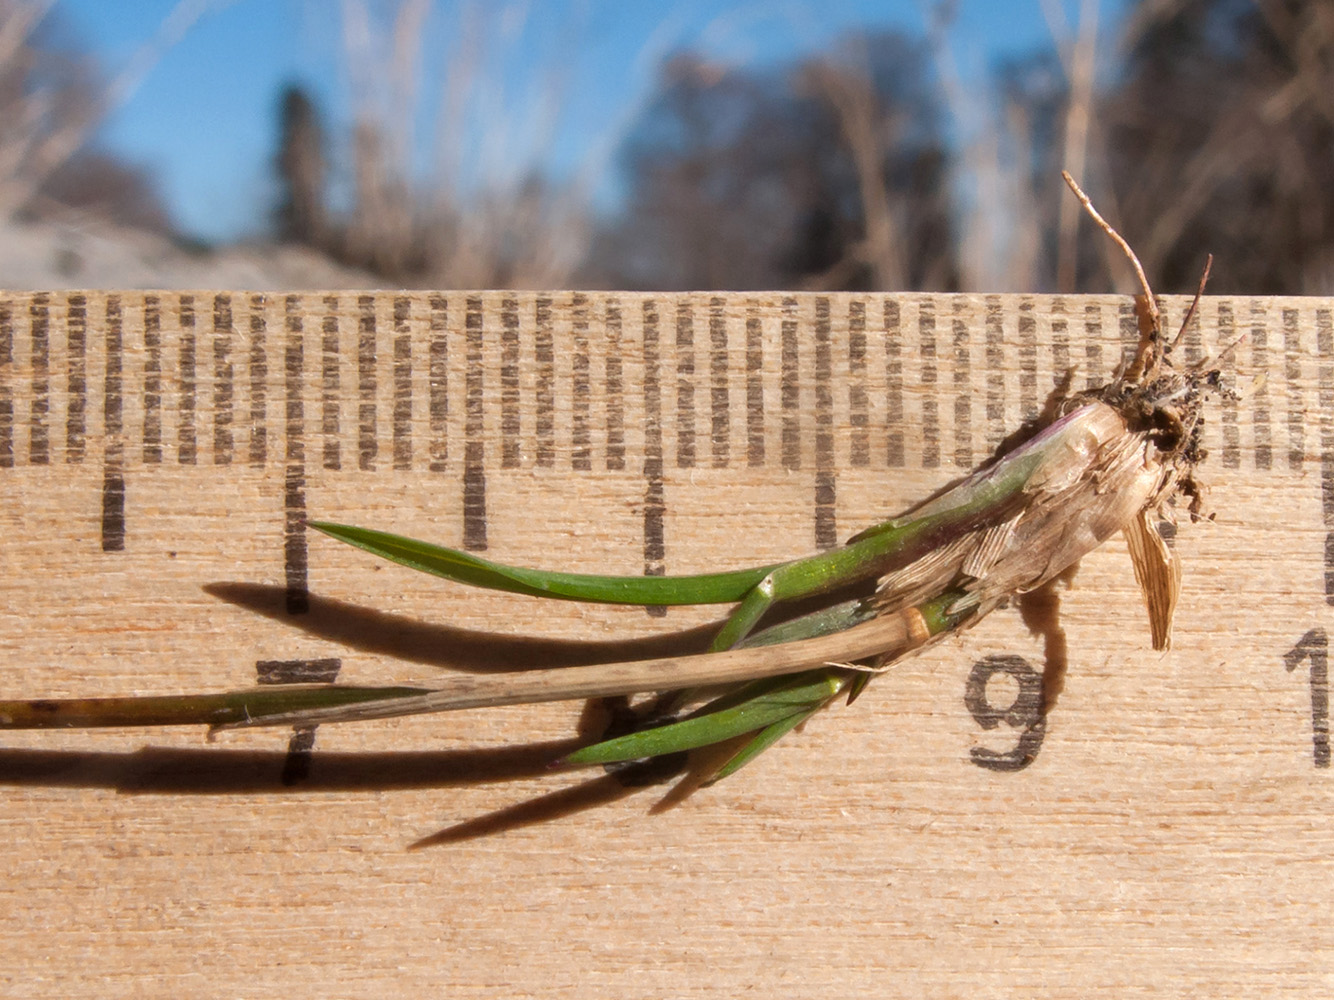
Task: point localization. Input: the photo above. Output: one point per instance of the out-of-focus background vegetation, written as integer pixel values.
(886, 158)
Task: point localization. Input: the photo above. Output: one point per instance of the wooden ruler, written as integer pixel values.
(160, 452)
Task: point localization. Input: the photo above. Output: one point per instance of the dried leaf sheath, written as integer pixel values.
(1096, 478)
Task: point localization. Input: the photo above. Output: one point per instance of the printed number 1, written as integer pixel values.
(1314, 646)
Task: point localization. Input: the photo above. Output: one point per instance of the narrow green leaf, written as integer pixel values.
(753, 707)
(706, 588)
(984, 498)
(825, 621)
(761, 742)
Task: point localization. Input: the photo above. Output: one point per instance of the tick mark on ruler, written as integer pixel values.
(720, 432)
(826, 497)
(113, 458)
(259, 377)
(6, 393)
(1094, 373)
(581, 387)
(790, 386)
(295, 560)
(76, 419)
(331, 384)
(402, 383)
(615, 389)
(39, 445)
(1028, 360)
(223, 373)
(366, 383)
(995, 363)
(1227, 334)
(1324, 327)
(510, 426)
(1059, 338)
(655, 502)
(152, 387)
(544, 396)
(322, 671)
(754, 389)
(685, 386)
(1260, 415)
(894, 455)
(438, 373)
(860, 444)
(927, 349)
(187, 441)
(963, 394)
(474, 431)
(1128, 327)
(1292, 372)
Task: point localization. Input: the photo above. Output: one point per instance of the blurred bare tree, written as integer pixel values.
(94, 183)
(301, 214)
(1198, 125)
(52, 98)
(47, 98)
(1212, 131)
(419, 188)
(1219, 138)
(828, 174)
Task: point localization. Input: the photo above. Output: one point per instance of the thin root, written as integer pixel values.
(861, 668)
(1205, 364)
(1190, 313)
(1151, 303)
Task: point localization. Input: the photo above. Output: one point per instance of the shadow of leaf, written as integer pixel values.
(371, 631)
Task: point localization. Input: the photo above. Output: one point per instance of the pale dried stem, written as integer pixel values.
(1000, 219)
(885, 635)
(1025, 247)
(981, 157)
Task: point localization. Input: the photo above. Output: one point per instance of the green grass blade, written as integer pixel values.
(825, 621)
(984, 498)
(707, 588)
(753, 707)
(761, 742)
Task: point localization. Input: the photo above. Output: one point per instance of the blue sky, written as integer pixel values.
(555, 83)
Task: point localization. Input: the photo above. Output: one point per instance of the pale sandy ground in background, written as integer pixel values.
(92, 254)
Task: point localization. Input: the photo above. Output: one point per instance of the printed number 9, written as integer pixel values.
(1024, 713)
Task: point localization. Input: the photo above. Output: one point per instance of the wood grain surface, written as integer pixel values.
(1165, 830)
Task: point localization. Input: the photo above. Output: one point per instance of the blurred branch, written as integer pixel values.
(43, 128)
(459, 206)
(1078, 57)
(868, 133)
(999, 221)
(1309, 42)
(18, 20)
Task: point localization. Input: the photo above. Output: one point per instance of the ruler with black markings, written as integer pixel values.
(160, 452)
(1163, 827)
